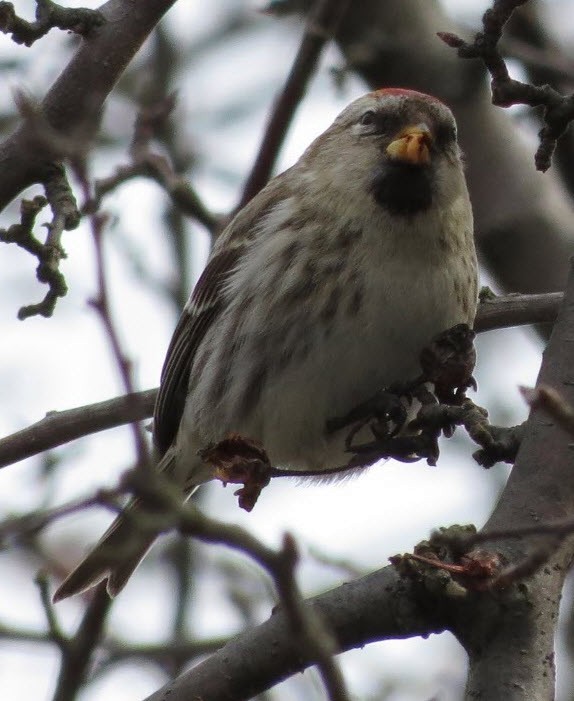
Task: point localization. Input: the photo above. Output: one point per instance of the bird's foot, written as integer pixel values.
(240, 460)
(402, 448)
(384, 413)
(448, 362)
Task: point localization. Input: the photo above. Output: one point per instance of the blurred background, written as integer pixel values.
(227, 60)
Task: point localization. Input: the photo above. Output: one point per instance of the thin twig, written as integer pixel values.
(60, 427)
(558, 109)
(346, 567)
(65, 216)
(321, 26)
(25, 636)
(309, 628)
(550, 401)
(558, 528)
(526, 567)
(159, 169)
(115, 651)
(305, 622)
(102, 305)
(147, 163)
(27, 525)
(80, 650)
(169, 512)
(49, 15)
(178, 653)
(55, 632)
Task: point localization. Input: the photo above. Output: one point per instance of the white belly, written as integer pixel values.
(326, 368)
(363, 354)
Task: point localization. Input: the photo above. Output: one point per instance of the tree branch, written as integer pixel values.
(511, 653)
(321, 26)
(310, 634)
(79, 650)
(102, 306)
(379, 606)
(176, 653)
(145, 162)
(558, 109)
(48, 16)
(517, 310)
(394, 44)
(65, 216)
(80, 91)
(60, 427)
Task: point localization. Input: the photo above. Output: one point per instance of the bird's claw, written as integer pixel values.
(384, 413)
(405, 449)
(240, 460)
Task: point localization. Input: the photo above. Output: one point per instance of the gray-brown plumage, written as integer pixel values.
(323, 289)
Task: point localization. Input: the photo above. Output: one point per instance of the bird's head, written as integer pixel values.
(398, 145)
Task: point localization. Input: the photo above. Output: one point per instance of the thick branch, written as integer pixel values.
(378, 606)
(511, 652)
(80, 91)
(511, 656)
(517, 310)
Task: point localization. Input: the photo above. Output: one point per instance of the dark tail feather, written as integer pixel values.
(114, 557)
(122, 547)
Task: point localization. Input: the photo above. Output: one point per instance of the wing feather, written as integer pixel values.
(202, 310)
(206, 304)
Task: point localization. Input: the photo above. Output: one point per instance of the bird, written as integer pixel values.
(323, 289)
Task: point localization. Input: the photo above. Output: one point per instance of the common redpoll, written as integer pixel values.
(321, 291)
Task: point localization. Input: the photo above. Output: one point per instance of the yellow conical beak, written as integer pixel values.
(412, 145)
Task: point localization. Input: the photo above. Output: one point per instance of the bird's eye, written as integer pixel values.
(446, 133)
(368, 118)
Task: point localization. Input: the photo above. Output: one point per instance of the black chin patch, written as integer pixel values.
(403, 188)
